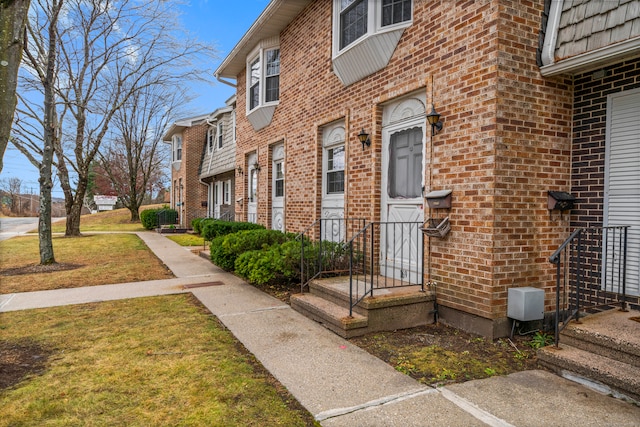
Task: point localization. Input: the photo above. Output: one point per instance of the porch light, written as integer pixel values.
(256, 166)
(434, 120)
(239, 169)
(364, 139)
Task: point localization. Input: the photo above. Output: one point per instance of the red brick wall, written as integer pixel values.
(505, 140)
(194, 192)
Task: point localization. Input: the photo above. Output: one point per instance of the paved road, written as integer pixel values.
(10, 227)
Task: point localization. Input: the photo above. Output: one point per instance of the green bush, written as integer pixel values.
(225, 249)
(282, 261)
(195, 225)
(149, 217)
(212, 228)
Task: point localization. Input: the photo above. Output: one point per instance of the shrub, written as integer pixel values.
(195, 225)
(149, 217)
(212, 228)
(259, 266)
(225, 249)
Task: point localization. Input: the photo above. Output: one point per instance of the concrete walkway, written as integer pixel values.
(340, 384)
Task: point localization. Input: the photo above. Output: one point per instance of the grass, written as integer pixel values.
(133, 363)
(186, 239)
(101, 259)
(115, 220)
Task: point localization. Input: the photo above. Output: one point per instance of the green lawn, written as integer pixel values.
(143, 362)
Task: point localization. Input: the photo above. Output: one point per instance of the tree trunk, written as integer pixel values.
(135, 214)
(13, 17)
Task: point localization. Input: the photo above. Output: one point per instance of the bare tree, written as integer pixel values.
(109, 50)
(134, 159)
(13, 17)
(13, 187)
(38, 135)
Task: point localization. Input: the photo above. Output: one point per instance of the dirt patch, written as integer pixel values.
(20, 359)
(38, 268)
(439, 354)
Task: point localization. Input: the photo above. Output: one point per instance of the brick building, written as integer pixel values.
(187, 138)
(313, 76)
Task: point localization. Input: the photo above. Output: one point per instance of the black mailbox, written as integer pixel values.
(560, 201)
(204, 203)
(440, 199)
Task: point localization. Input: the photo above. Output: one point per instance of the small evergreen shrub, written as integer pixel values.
(225, 249)
(149, 217)
(195, 225)
(212, 228)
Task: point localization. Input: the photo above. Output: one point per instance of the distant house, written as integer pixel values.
(187, 138)
(333, 114)
(218, 166)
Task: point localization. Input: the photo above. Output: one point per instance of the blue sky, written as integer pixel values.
(218, 22)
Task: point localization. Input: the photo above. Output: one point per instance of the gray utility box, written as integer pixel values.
(525, 304)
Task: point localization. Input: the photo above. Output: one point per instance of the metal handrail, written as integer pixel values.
(591, 266)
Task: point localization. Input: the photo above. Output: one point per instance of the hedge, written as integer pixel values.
(225, 249)
(149, 217)
(212, 228)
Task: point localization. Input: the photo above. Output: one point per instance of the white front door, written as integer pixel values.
(401, 201)
(277, 188)
(333, 164)
(252, 185)
(622, 183)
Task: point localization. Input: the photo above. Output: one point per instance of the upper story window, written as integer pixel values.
(365, 35)
(211, 137)
(176, 143)
(220, 133)
(263, 73)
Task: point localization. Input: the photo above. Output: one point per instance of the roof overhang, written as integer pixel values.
(180, 125)
(627, 49)
(275, 18)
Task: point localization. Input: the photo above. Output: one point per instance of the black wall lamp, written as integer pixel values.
(239, 169)
(364, 139)
(434, 120)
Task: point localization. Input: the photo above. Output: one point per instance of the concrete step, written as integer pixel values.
(613, 334)
(330, 315)
(582, 365)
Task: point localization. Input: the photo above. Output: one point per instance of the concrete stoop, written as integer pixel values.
(388, 310)
(603, 348)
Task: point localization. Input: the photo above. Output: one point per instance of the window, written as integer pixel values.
(227, 192)
(279, 179)
(365, 35)
(264, 81)
(353, 21)
(395, 11)
(220, 134)
(210, 139)
(335, 170)
(177, 148)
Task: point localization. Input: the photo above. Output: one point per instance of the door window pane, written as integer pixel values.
(405, 164)
(335, 170)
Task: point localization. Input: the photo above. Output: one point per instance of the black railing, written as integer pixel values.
(590, 273)
(322, 250)
(385, 255)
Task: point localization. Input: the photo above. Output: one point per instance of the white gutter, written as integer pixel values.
(218, 78)
(551, 34)
(627, 48)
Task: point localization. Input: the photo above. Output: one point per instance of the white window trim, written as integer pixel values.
(260, 53)
(176, 141)
(326, 146)
(210, 138)
(226, 192)
(372, 51)
(219, 141)
(374, 24)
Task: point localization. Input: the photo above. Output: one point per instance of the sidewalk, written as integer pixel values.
(340, 384)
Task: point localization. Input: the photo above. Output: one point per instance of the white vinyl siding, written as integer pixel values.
(622, 176)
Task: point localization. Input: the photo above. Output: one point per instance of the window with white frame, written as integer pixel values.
(226, 189)
(211, 138)
(263, 78)
(220, 133)
(365, 35)
(279, 178)
(335, 170)
(177, 148)
(357, 18)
